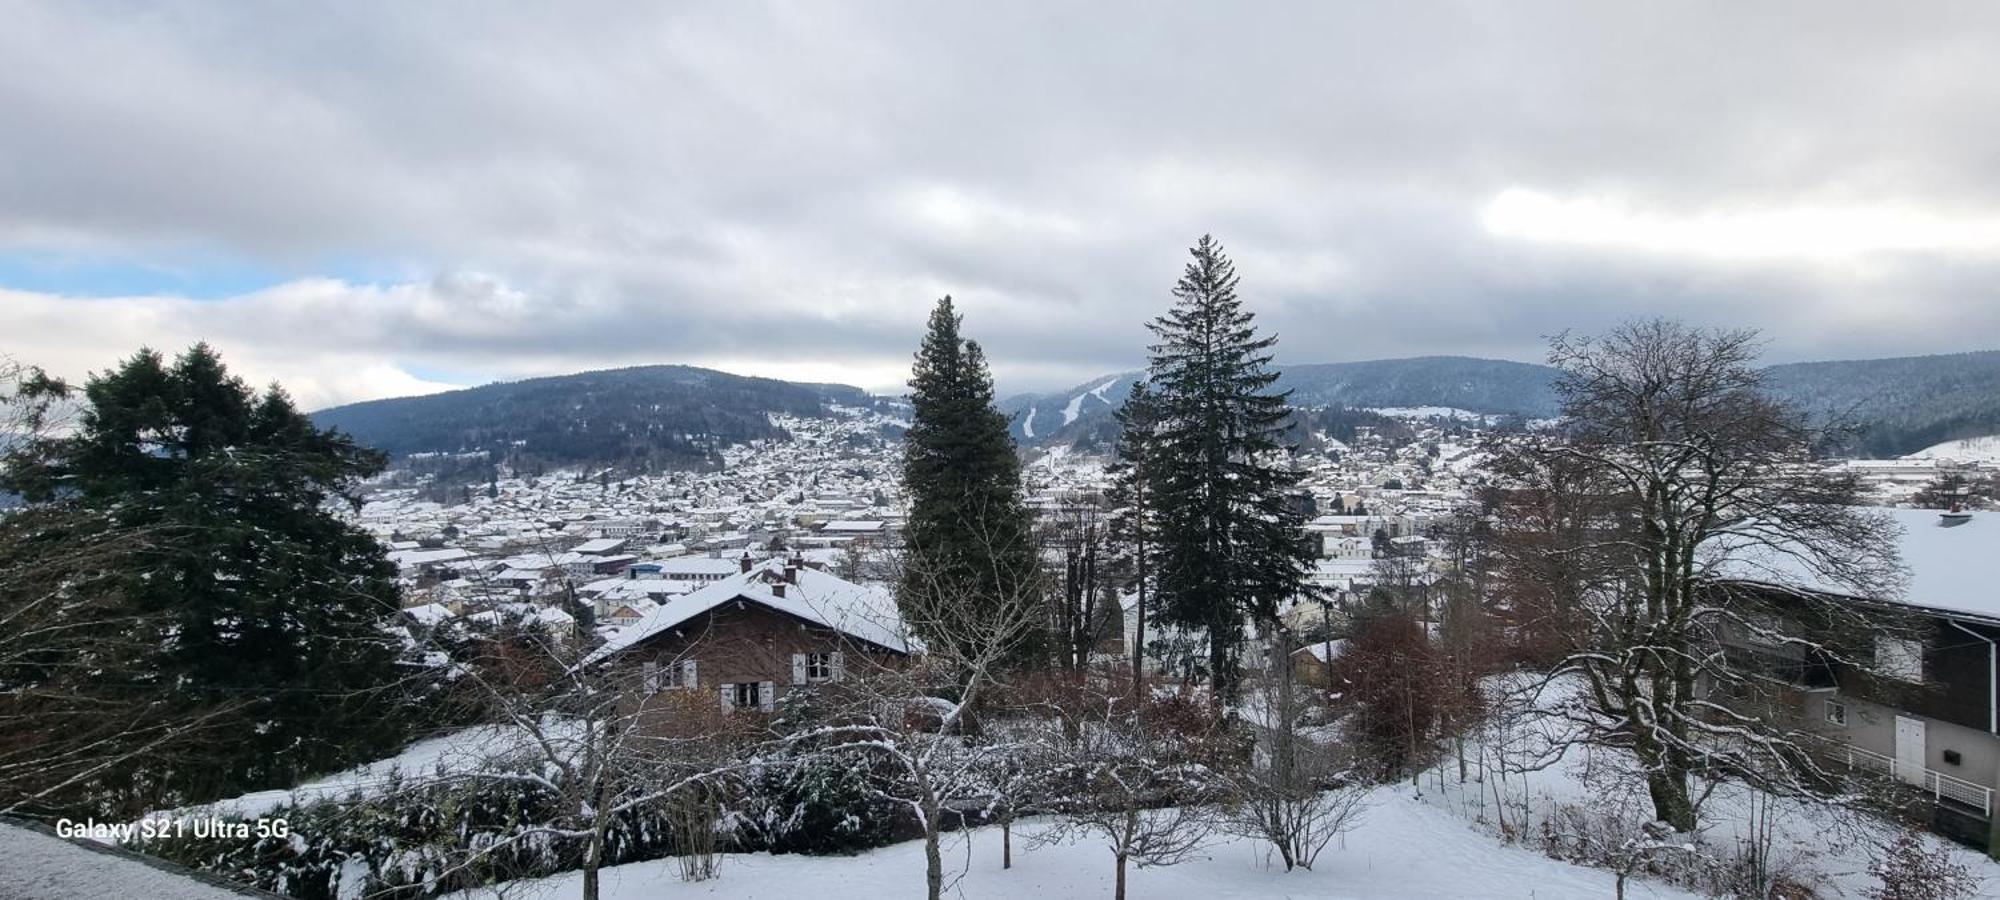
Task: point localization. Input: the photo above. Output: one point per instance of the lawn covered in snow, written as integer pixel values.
(1403, 848)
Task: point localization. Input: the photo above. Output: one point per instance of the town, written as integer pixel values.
(971, 451)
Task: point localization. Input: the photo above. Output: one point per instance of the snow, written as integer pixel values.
(1429, 412)
(1075, 407)
(40, 865)
(1028, 423)
(1951, 568)
(1402, 848)
(865, 612)
(1978, 449)
(458, 751)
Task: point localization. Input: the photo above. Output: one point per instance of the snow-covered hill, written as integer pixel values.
(1978, 449)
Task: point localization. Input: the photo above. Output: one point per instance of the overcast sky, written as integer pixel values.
(365, 200)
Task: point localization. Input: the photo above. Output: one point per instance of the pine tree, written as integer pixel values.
(968, 538)
(265, 601)
(1232, 547)
(1133, 512)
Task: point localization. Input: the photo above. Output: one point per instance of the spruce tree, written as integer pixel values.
(263, 600)
(1132, 513)
(969, 538)
(1231, 546)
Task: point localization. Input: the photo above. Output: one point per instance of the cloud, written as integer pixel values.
(436, 193)
(1803, 232)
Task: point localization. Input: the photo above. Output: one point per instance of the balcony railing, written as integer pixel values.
(1940, 786)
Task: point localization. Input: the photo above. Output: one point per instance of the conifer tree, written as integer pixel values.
(1231, 546)
(968, 540)
(1132, 512)
(259, 596)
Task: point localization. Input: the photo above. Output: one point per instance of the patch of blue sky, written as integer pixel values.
(210, 277)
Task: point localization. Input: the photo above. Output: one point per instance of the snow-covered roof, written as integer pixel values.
(699, 565)
(855, 525)
(599, 546)
(864, 612)
(428, 614)
(1322, 650)
(1951, 568)
(406, 559)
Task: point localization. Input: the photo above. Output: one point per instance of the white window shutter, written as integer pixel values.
(651, 677)
(839, 666)
(688, 679)
(767, 695)
(728, 697)
(798, 668)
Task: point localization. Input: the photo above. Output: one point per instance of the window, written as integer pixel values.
(1899, 658)
(651, 673)
(813, 668)
(761, 695)
(688, 674)
(1836, 713)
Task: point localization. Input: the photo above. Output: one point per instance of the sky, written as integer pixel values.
(361, 200)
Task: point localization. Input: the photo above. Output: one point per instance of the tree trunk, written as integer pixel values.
(1671, 803)
(1118, 893)
(1139, 629)
(1007, 843)
(593, 852)
(933, 861)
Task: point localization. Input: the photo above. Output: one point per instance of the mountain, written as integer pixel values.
(1064, 416)
(647, 415)
(1456, 382)
(1083, 414)
(1901, 404)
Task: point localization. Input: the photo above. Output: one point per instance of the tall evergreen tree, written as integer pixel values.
(969, 537)
(261, 598)
(1132, 513)
(1232, 546)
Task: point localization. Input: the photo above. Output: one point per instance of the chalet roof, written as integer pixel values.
(1950, 568)
(862, 612)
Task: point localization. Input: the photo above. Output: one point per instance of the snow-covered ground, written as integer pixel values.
(1978, 449)
(458, 751)
(1429, 412)
(1403, 848)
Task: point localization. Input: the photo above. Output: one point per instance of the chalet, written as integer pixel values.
(1934, 720)
(750, 637)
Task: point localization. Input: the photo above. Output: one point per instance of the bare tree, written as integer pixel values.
(1148, 784)
(601, 741)
(1293, 794)
(914, 719)
(1083, 603)
(1676, 476)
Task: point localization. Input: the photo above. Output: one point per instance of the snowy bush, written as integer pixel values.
(815, 804)
(1908, 870)
(414, 840)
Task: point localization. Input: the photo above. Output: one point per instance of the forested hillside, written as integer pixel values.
(1902, 404)
(649, 415)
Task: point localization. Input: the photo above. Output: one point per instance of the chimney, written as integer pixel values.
(778, 591)
(791, 571)
(744, 563)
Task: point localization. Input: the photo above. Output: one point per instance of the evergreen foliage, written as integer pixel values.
(1232, 546)
(250, 593)
(969, 537)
